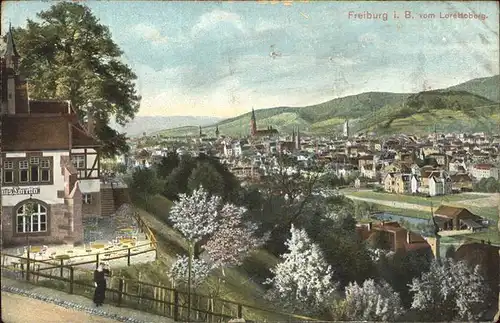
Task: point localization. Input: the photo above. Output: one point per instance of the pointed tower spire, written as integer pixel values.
(10, 48)
(217, 131)
(200, 131)
(297, 139)
(253, 123)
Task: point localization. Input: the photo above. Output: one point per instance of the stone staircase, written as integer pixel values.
(107, 202)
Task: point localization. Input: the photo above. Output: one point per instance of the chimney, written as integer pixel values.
(370, 226)
(408, 237)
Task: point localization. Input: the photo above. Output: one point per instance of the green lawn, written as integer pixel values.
(491, 235)
(436, 200)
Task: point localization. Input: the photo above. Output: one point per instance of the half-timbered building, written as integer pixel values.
(50, 164)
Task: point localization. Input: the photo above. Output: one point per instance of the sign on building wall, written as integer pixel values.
(20, 190)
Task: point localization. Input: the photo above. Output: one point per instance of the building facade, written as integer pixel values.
(50, 164)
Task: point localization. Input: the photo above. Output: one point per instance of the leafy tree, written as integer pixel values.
(234, 238)
(398, 269)
(167, 164)
(69, 55)
(207, 176)
(303, 281)
(177, 181)
(145, 182)
(450, 291)
(371, 301)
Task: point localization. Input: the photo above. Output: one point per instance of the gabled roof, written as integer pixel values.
(81, 138)
(26, 132)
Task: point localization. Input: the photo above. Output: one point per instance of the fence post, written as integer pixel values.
(71, 280)
(62, 265)
(28, 267)
(240, 311)
(120, 291)
(96, 260)
(128, 257)
(176, 305)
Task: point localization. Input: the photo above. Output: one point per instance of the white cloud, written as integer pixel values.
(150, 33)
(211, 19)
(340, 60)
(267, 25)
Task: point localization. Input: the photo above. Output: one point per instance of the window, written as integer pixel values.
(45, 171)
(23, 171)
(34, 173)
(79, 161)
(87, 199)
(8, 172)
(45, 163)
(31, 217)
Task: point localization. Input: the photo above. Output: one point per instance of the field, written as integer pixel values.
(240, 284)
(435, 200)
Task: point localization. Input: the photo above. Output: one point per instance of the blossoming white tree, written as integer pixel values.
(372, 302)
(199, 271)
(303, 281)
(195, 216)
(234, 238)
(450, 291)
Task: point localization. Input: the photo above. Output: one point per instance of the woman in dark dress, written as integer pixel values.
(100, 283)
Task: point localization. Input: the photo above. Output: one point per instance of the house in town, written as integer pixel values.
(450, 218)
(480, 171)
(461, 182)
(440, 185)
(435, 182)
(397, 183)
(50, 164)
(393, 236)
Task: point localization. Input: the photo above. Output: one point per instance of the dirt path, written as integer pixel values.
(21, 309)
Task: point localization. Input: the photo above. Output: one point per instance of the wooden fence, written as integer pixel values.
(147, 232)
(155, 299)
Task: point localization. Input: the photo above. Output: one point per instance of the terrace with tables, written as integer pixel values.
(116, 240)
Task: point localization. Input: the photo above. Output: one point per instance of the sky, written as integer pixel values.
(225, 58)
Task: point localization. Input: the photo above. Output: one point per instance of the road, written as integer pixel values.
(22, 309)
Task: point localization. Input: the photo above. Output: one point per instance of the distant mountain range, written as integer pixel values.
(470, 106)
(153, 124)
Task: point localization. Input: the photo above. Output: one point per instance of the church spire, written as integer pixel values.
(253, 124)
(10, 48)
(217, 131)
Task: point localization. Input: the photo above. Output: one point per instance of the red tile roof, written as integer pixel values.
(483, 166)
